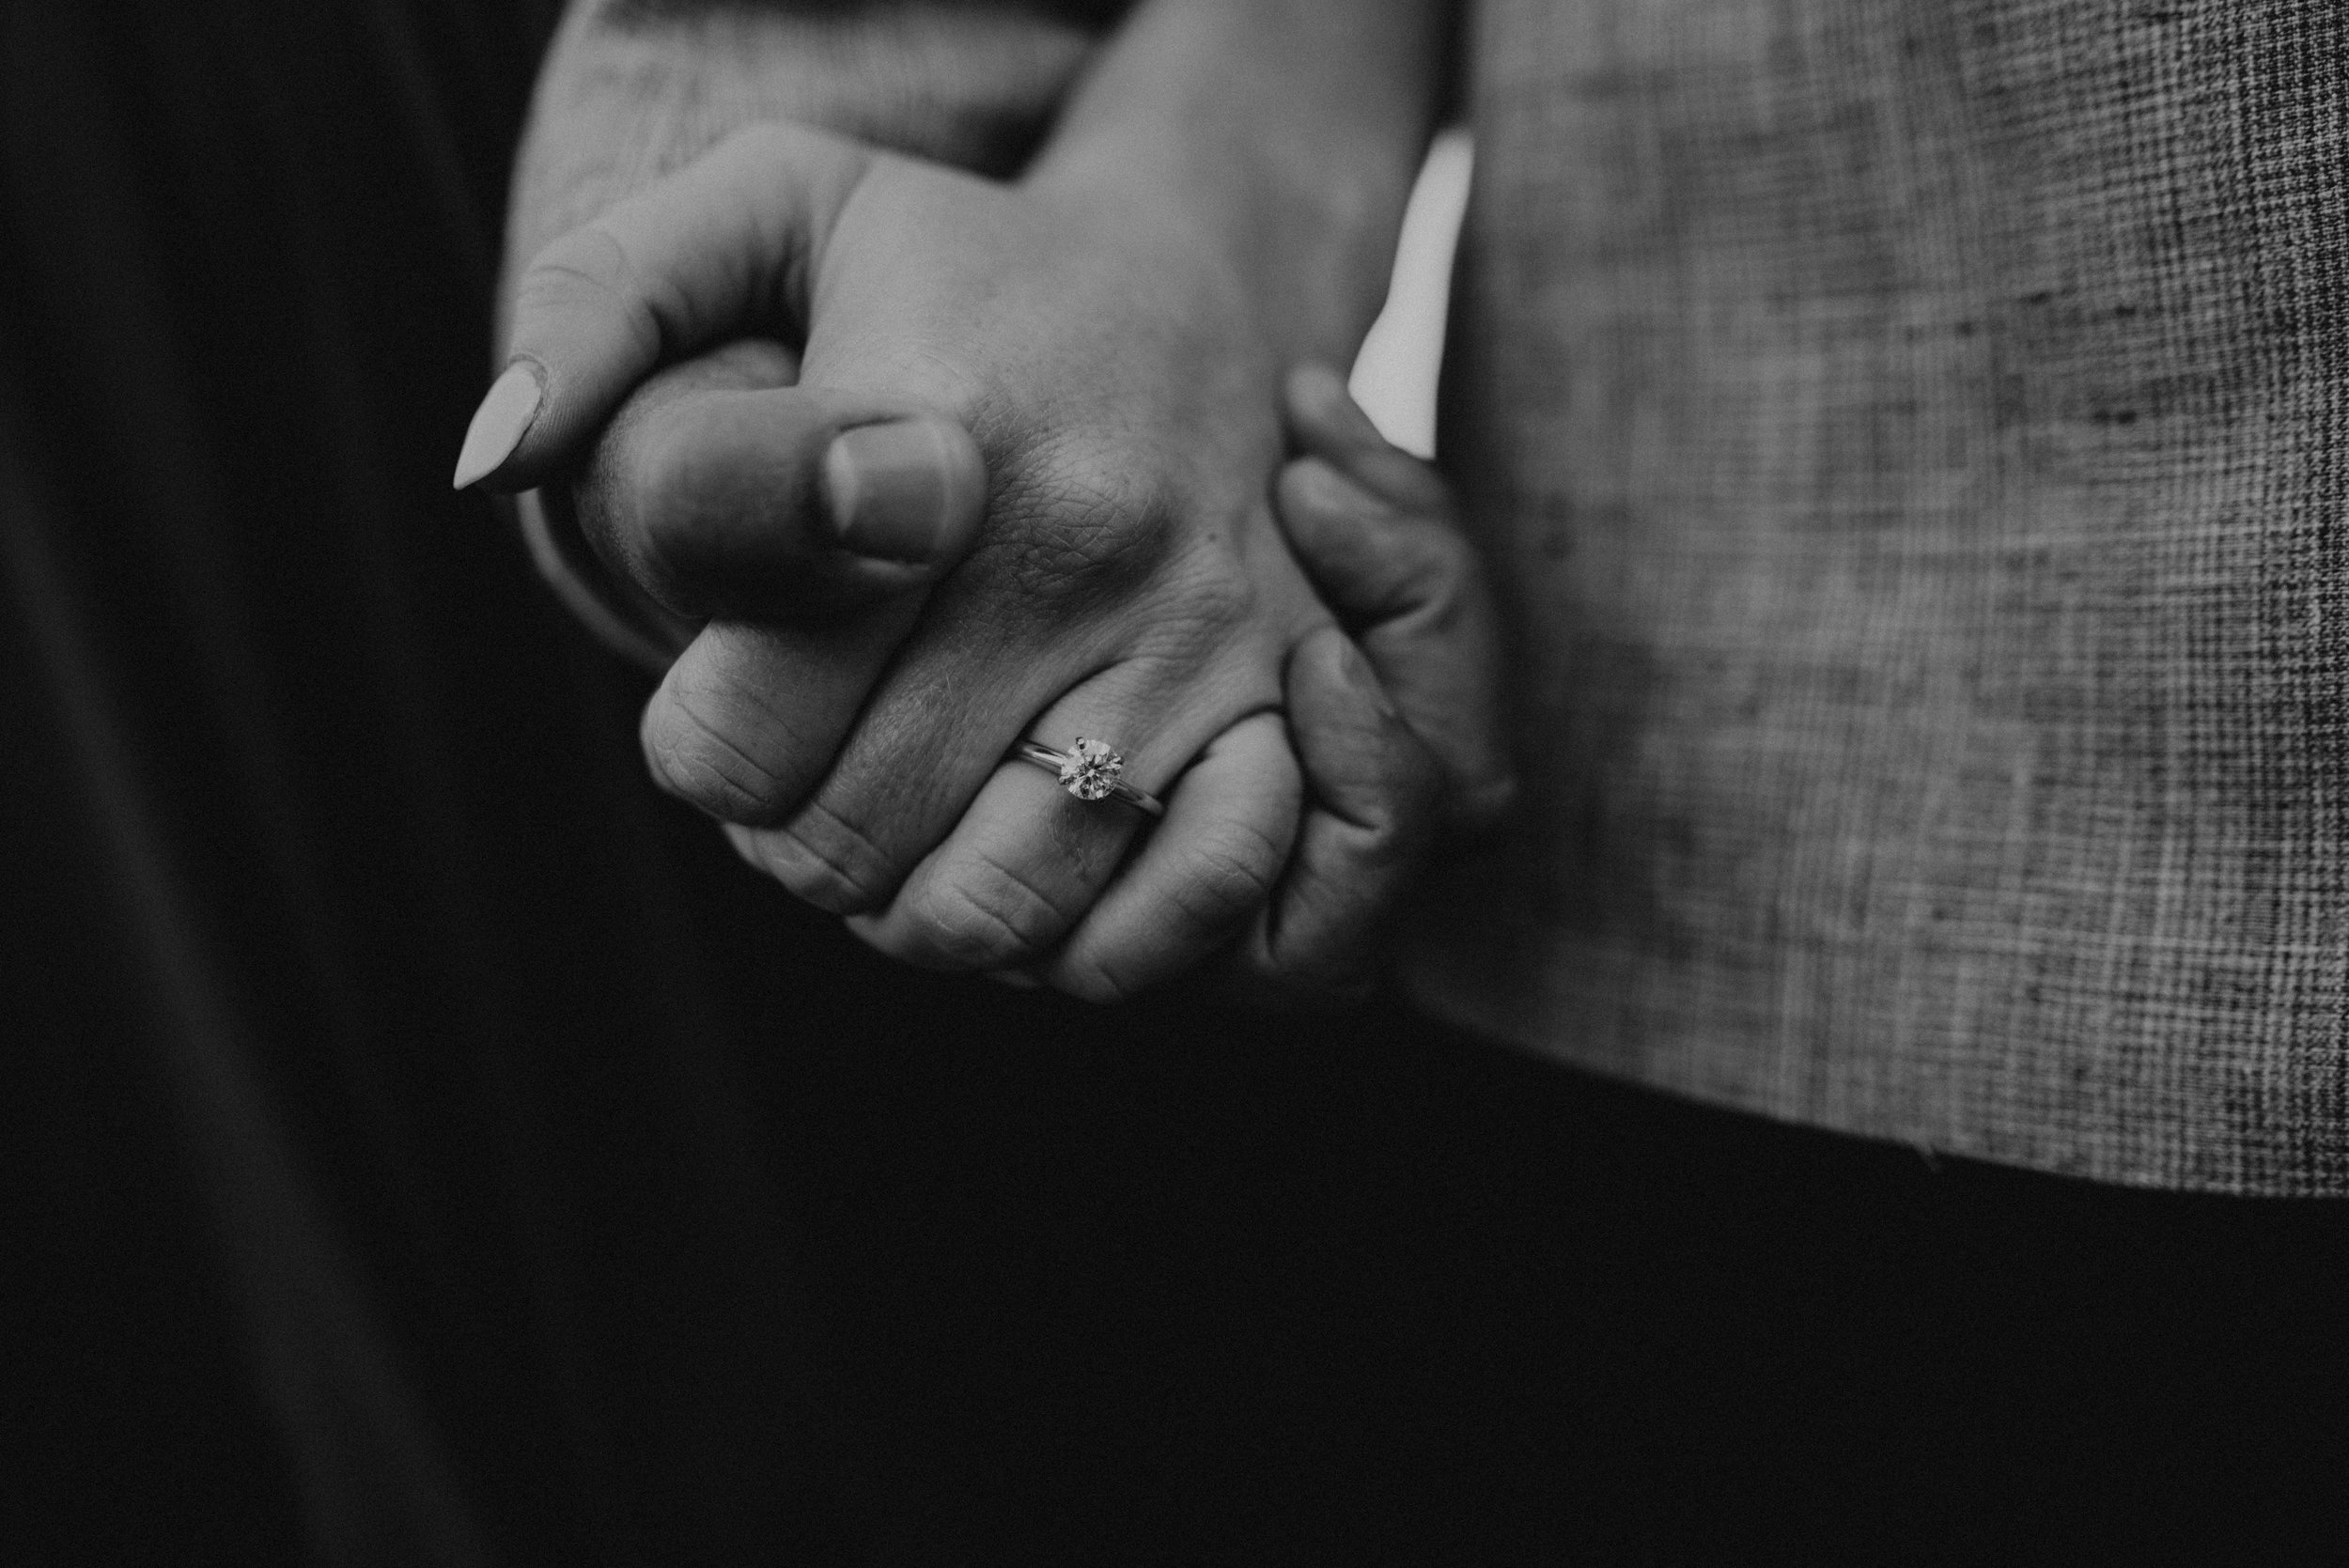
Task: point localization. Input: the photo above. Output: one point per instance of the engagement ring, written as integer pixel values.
(1090, 772)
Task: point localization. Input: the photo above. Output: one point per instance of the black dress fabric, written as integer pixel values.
(430, 1146)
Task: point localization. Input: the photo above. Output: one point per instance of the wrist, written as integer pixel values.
(630, 91)
(1281, 135)
(1306, 253)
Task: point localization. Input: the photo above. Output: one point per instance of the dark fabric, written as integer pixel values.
(363, 1061)
(1910, 437)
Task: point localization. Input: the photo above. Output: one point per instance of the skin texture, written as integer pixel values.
(631, 92)
(1395, 713)
(1110, 330)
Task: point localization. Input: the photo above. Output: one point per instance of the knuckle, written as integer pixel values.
(585, 260)
(983, 914)
(963, 930)
(1430, 564)
(1411, 484)
(1204, 606)
(1220, 596)
(699, 759)
(588, 268)
(1076, 523)
(1231, 874)
(1314, 495)
(1100, 978)
(825, 860)
(1226, 877)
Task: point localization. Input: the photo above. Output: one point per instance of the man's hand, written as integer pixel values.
(1395, 713)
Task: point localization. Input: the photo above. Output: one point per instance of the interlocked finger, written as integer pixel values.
(720, 488)
(1370, 811)
(1229, 826)
(748, 717)
(1375, 529)
(1021, 869)
(1028, 858)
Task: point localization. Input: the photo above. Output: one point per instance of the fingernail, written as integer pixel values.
(499, 424)
(1324, 391)
(898, 490)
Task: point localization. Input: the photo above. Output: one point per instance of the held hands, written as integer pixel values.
(872, 650)
(1395, 712)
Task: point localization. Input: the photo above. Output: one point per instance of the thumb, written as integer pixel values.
(1372, 791)
(721, 246)
(721, 489)
(1372, 528)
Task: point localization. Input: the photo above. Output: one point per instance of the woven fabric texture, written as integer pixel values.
(1909, 431)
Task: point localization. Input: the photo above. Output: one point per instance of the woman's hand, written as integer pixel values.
(1130, 584)
(1218, 196)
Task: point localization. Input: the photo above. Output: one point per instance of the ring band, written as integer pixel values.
(1090, 772)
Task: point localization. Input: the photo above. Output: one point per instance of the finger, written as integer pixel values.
(1018, 871)
(747, 720)
(1212, 862)
(740, 365)
(1372, 528)
(1027, 860)
(721, 246)
(717, 247)
(1411, 592)
(724, 245)
(719, 493)
(1324, 421)
(1372, 793)
(749, 715)
(729, 490)
(1003, 651)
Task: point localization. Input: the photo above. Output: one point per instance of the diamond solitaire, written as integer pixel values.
(1089, 770)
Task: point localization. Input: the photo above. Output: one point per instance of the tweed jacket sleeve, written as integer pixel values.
(1910, 434)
